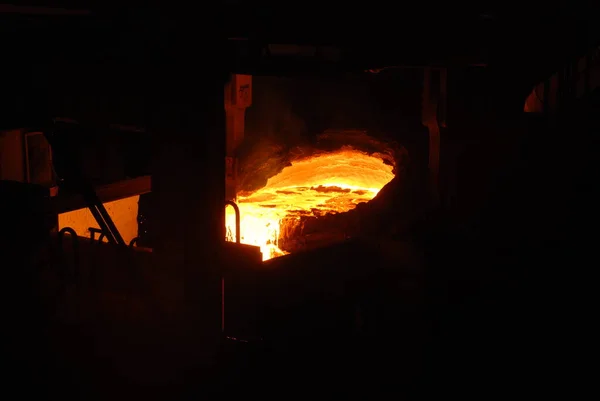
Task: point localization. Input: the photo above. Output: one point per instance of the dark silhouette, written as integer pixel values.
(467, 280)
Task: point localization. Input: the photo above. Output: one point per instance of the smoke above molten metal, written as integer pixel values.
(332, 182)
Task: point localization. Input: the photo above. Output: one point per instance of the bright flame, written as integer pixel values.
(327, 183)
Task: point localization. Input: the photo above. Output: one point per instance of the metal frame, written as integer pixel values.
(26, 161)
(89, 195)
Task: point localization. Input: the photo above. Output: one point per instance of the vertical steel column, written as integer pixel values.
(238, 97)
(433, 115)
(186, 122)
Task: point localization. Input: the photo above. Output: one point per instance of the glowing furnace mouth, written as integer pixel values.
(332, 182)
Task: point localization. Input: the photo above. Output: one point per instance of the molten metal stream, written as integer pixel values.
(327, 183)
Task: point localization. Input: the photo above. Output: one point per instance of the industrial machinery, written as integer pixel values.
(120, 163)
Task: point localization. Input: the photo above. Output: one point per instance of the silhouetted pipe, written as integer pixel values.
(237, 240)
(75, 238)
(113, 234)
(237, 219)
(69, 230)
(133, 242)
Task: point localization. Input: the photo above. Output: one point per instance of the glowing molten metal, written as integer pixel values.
(327, 183)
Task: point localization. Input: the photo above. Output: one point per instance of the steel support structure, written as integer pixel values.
(433, 117)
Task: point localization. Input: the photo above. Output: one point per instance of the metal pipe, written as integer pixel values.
(110, 223)
(75, 243)
(236, 208)
(99, 212)
(237, 240)
(62, 232)
(101, 222)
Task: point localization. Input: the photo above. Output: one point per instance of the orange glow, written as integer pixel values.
(326, 183)
(123, 212)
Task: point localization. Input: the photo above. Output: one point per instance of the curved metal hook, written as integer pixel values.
(236, 208)
(134, 241)
(64, 230)
(75, 242)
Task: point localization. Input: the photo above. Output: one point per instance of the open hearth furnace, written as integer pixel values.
(298, 185)
(298, 190)
(313, 169)
(183, 210)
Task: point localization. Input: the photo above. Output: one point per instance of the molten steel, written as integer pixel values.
(327, 183)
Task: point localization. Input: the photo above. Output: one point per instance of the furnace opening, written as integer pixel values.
(324, 183)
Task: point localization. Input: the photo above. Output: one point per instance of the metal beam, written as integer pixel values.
(106, 193)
